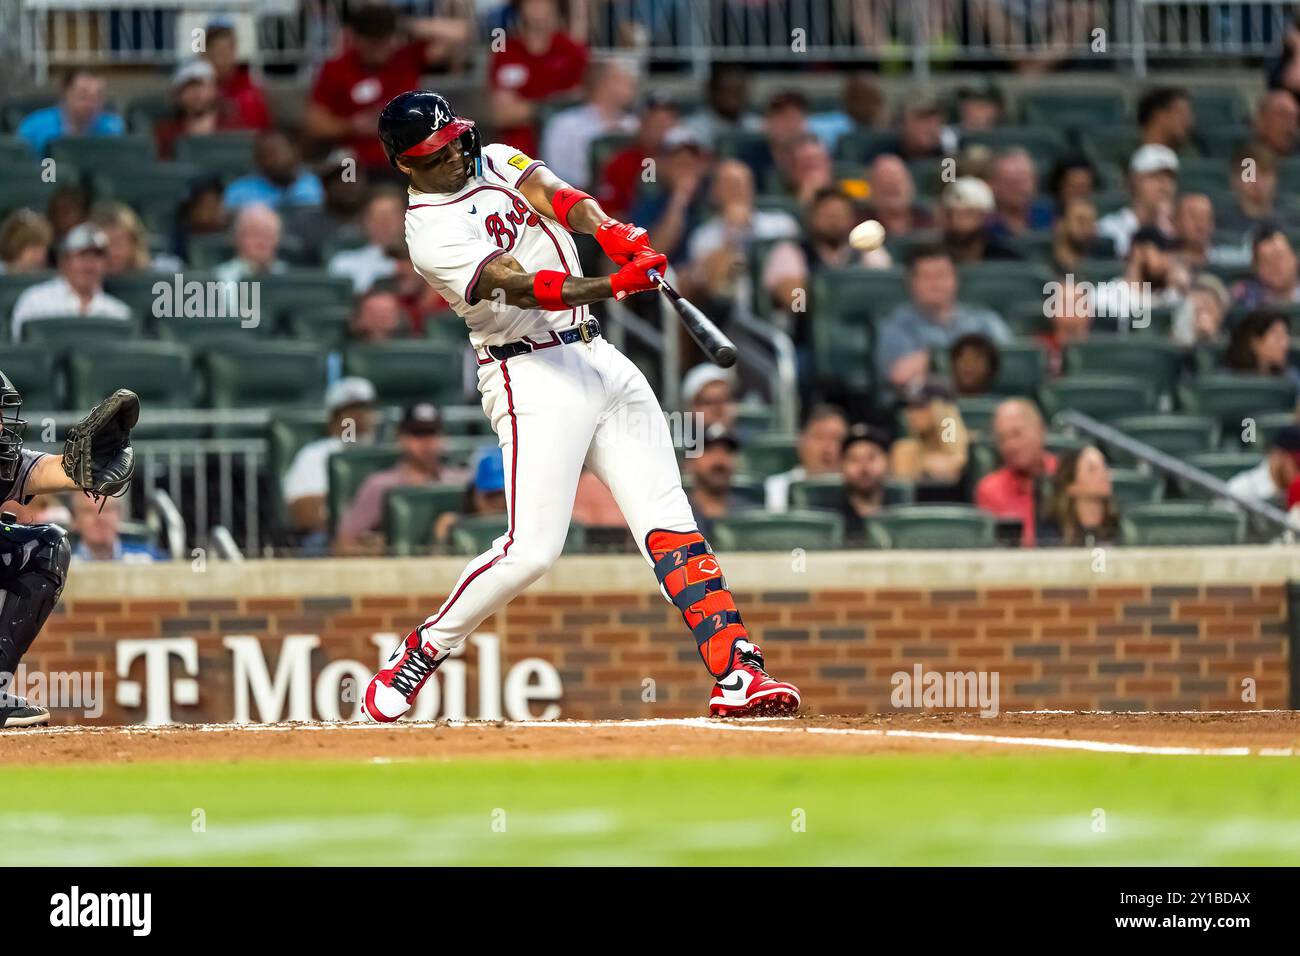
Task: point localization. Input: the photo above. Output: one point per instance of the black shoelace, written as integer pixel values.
(754, 659)
(415, 668)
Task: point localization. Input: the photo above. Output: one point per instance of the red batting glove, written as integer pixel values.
(633, 277)
(622, 241)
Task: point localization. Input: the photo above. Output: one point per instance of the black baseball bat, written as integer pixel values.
(706, 334)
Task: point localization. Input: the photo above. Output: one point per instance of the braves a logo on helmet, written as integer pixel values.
(504, 230)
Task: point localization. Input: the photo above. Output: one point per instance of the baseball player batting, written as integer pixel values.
(489, 228)
(98, 459)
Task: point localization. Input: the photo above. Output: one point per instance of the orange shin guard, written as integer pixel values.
(691, 577)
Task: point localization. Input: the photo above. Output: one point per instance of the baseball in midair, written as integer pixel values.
(867, 236)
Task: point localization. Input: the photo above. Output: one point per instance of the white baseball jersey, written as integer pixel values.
(451, 237)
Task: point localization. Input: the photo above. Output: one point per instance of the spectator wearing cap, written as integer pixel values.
(337, 221)
(936, 443)
(25, 238)
(610, 91)
(1152, 184)
(709, 395)
(1011, 490)
(351, 405)
(621, 178)
(1199, 319)
(540, 61)
(78, 289)
(862, 107)
(672, 213)
(1165, 118)
(1274, 279)
(241, 102)
(420, 445)
(966, 223)
(384, 222)
(933, 318)
(1260, 344)
(710, 473)
(864, 468)
(717, 249)
(376, 63)
(280, 178)
(79, 112)
(726, 110)
(196, 108)
(1277, 122)
(892, 197)
(792, 264)
(973, 363)
(1019, 209)
(1255, 196)
(485, 494)
(1152, 264)
(1075, 238)
(920, 130)
(1269, 481)
(257, 245)
(1194, 226)
(377, 316)
(818, 450)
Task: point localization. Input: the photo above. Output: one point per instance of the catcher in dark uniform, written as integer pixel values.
(98, 460)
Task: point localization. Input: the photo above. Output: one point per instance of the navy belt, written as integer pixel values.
(584, 331)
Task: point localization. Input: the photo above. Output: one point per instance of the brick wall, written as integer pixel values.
(1162, 646)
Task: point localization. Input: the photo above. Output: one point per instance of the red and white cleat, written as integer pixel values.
(392, 691)
(749, 691)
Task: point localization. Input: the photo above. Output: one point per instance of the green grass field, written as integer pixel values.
(919, 810)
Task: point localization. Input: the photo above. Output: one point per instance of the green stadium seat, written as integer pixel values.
(227, 155)
(250, 373)
(1176, 435)
(210, 332)
(1203, 174)
(287, 431)
(933, 527)
(152, 189)
(845, 304)
(997, 284)
(761, 531)
(824, 492)
(1100, 396)
(1223, 465)
(977, 412)
(13, 109)
(161, 373)
(1180, 524)
(861, 145)
(1073, 108)
(301, 290)
(21, 187)
(928, 175)
(1045, 143)
(63, 331)
(1114, 145)
(743, 487)
(1021, 370)
(447, 328)
(90, 154)
(1258, 434)
(145, 111)
(1232, 398)
(410, 370)
(603, 148)
(13, 151)
(1216, 106)
(753, 419)
(11, 287)
(349, 468)
(1222, 140)
(474, 534)
(466, 420)
(410, 513)
(1132, 487)
(32, 369)
(1148, 358)
(769, 454)
(206, 251)
(327, 324)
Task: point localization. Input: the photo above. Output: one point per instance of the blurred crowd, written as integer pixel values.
(753, 201)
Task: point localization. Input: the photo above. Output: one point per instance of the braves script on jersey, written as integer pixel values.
(452, 237)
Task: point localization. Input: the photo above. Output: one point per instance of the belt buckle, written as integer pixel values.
(588, 329)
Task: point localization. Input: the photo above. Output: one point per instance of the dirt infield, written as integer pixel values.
(1263, 733)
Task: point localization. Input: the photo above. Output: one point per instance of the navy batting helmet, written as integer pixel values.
(421, 122)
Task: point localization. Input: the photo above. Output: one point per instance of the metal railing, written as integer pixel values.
(1264, 513)
(913, 34)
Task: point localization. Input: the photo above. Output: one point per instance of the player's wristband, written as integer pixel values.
(563, 201)
(548, 289)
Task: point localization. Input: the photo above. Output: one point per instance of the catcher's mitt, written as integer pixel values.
(97, 454)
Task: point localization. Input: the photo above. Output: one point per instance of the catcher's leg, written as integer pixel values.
(543, 407)
(633, 454)
(35, 568)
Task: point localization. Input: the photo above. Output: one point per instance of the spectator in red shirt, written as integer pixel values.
(197, 109)
(241, 101)
(620, 180)
(538, 62)
(1011, 491)
(376, 64)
